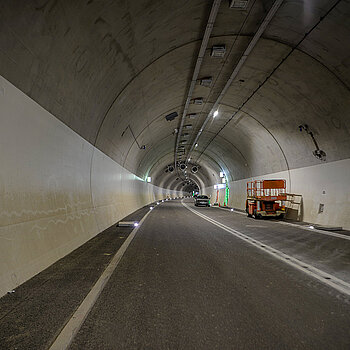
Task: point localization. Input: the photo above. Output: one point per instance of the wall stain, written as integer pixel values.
(113, 46)
(48, 6)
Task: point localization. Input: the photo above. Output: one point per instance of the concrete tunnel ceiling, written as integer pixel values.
(112, 71)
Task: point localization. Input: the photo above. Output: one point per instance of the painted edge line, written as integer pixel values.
(324, 277)
(313, 230)
(67, 334)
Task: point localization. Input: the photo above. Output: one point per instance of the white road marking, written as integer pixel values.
(65, 338)
(303, 227)
(310, 270)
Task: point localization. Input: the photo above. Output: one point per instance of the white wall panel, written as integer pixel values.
(326, 183)
(56, 190)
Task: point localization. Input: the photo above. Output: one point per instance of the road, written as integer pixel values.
(185, 283)
(191, 278)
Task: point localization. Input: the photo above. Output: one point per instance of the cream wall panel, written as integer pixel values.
(45, 203)
(56, 190)
(326, 183)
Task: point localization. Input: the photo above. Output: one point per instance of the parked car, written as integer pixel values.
(202, 200)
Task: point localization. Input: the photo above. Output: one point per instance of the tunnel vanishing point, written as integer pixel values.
(107, 106)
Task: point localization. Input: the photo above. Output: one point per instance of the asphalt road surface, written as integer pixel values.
(185, 283)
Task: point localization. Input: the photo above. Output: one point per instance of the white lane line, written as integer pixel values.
(310, 270)
(313, 230)
(65, 338)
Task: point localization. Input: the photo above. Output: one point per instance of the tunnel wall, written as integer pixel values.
(326, 183)
(56, 190)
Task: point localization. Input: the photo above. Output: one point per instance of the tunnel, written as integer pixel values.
(111, 107)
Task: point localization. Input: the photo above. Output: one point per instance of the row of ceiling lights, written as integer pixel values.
(216, 51)
(183, 167)
(214, 111)
(219, 51)
(194, 80)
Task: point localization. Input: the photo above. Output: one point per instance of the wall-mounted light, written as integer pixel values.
(196, 145)
(223, 180)
(219, 186)
(222, 174)
(149, 179)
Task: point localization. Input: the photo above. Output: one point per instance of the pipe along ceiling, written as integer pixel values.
(249, 88)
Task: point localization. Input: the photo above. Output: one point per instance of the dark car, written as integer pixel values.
(202, 200)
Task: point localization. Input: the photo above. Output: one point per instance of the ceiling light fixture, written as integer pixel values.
(206, 81)
(239, 4)
(218, 51)
(198, 101)
(215, 113)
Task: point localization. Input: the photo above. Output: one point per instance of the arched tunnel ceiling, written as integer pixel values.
(112, 70)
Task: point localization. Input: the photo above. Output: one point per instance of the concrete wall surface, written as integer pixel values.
(326, 183)
(56, 190)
